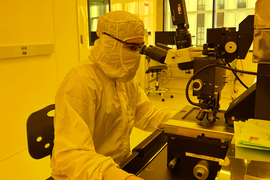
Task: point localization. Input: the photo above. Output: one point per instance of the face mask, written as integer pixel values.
(114, 60)
(130, 61)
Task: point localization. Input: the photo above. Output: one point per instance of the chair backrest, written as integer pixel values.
(40, 133)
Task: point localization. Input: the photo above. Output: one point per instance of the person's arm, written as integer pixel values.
(148, 117)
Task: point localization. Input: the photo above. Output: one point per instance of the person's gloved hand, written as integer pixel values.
(133, 178)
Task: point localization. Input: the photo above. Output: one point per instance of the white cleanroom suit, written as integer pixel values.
(98, 103)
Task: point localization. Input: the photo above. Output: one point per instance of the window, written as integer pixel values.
(220, 4)
(200, 30)
(220, 20)
(241, 4)
(200, 17)
(96, 8)
(200, 5)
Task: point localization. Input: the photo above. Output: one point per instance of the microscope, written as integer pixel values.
(209, 63)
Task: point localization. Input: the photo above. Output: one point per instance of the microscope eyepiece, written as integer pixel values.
(156, 53)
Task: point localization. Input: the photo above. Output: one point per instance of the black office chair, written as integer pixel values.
(40, 133)
(157, 88)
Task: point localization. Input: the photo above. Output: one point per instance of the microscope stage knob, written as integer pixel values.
(201, 170)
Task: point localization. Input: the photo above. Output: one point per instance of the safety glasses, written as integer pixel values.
(130, 46)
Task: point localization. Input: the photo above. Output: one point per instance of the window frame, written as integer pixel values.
(214, 11)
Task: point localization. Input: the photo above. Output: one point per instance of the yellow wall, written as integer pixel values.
(27, 83)
(30, 83)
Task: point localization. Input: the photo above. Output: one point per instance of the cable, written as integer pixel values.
(237, 77)
(169, 79)
(208, 66)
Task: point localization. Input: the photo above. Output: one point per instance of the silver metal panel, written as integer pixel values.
(261, 48)
(185, 123)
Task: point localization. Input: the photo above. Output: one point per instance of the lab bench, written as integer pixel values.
(201, 156)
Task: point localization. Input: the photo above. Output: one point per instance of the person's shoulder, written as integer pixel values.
(84, 74)
(85, 68)
(86, 65)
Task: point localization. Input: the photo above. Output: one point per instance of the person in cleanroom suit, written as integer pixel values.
(98, 103)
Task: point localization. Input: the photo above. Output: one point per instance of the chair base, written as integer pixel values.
(159, 91)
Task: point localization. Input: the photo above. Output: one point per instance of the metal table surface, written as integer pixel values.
(149, 161)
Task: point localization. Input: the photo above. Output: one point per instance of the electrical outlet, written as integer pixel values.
(25, 50)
